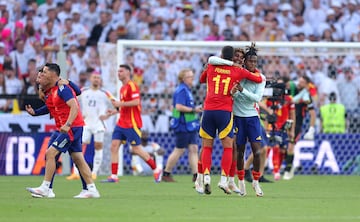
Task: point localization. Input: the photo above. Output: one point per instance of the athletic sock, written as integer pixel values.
(256, 175)
(114, 168)
(151, 163)
(98, 156)
(226, 161)
(232, 168)
(276, 159)
(241, 174)
(200, 167)
(206, 159)
(289, 160)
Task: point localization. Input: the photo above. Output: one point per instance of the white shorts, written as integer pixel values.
(98, 132)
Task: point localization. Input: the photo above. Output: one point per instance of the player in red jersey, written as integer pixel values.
(283, 128)
(64, 107)
(128, 125)
(217, 116)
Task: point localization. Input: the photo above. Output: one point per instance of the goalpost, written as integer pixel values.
(150, 58)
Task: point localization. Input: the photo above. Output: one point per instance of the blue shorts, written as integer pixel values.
(127, 134)
(184, 139)
(216, 122)
(248, 129)
(279, 138)
(264, 138)
(62, 142)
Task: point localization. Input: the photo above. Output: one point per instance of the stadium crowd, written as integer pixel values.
(32, 32)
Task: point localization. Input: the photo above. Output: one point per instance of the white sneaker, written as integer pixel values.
(199, 187)
(242, 188)
(288, 175)
(207, 182)
(224, 187)
(87, 194)
(232, 186)
(257, 188)
(277, 176)
(38, 191)
(50, 195)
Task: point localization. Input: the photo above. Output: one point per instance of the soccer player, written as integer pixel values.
(217, 116)
(246, 121)
(302, 98)
(62, 104)
(43, 110)
(138, 165)
(238, 60)
(185, 123)
(128, 125)
(94, 103)
(284, 128)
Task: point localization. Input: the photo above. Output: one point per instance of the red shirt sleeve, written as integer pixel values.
(255, 77)
(203, 75)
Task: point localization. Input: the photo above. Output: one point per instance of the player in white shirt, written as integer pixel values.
(94, 103)
(138, 165)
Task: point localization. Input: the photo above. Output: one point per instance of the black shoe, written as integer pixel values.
(248, 176)
(194, 177)
(264, 180)
(207, 189)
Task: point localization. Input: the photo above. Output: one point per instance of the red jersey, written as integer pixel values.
(56, 99)
(130, 116)
(219, 81)
(283, 112)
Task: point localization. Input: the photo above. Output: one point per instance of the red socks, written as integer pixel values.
(206, 159)
(256, 175)
(241, 174)
(232, 168)
(114, 168)
(276, 159)
(226, 161)
(200, 168)
(151, 163)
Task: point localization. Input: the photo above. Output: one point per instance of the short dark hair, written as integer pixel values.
(227, 52)
(306, 78)
(126, 66)
(53, 67)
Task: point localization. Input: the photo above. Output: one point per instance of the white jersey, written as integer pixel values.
(94, 103)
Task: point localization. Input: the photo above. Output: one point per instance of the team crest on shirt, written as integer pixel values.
(61, 88)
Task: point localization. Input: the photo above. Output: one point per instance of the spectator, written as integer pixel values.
(90, 17)
(13, 85)
(349, 91)
(4, 103)
(204, 27)
(20, 58)
(2, 55)
(333, 116)
(43, 8)
(300, 26)
(215, 35)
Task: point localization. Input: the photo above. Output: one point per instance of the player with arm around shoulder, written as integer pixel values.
(217, 116)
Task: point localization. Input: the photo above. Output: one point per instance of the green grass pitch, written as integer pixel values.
(305, 198)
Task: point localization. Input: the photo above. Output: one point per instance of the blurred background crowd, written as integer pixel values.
(32, 33)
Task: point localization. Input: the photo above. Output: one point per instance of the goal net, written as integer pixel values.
(157, 63)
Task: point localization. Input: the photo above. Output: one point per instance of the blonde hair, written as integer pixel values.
(182, 74)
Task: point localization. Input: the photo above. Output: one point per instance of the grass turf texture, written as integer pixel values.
(305, 198)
